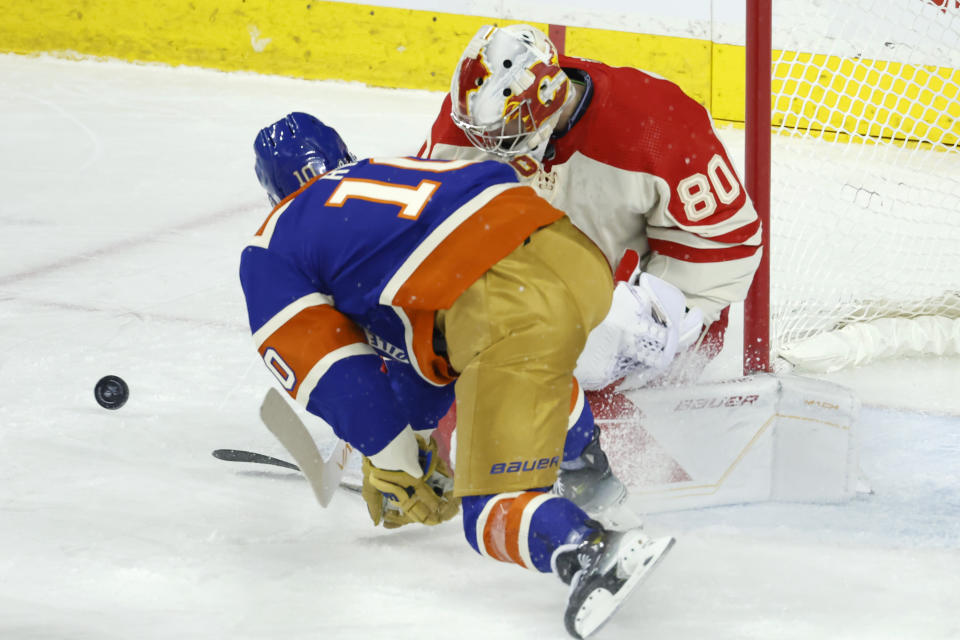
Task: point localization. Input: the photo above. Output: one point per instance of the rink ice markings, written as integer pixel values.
(126, 244)
(139, 315)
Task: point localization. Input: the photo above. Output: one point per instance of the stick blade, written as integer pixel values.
(239, 455)
(284, 423)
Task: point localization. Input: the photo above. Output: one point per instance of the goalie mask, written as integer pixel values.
(294, 150)
(508, 90)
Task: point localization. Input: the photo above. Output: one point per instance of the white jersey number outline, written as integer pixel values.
(411, 200)
(280, 369)
(696, 191)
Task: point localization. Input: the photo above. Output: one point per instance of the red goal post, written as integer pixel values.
(756, 311)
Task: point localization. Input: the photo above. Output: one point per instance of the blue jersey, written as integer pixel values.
(349, 271)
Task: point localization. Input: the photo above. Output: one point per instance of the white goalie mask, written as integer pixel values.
(508, 90)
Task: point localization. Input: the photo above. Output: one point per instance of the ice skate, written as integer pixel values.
(602, 571)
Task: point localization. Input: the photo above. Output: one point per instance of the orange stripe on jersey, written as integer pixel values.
(575, 396)
(478, 243)
(310, 335)
(501, 535)
(434, 367)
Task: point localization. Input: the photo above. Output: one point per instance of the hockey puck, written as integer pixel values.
(111, 392)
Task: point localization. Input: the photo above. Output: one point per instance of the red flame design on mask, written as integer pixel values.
(539, 110)
(473, 73)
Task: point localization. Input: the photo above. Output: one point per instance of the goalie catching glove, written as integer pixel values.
(397, 497)
(648, 323)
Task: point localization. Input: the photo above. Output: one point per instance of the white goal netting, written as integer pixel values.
(865, 186)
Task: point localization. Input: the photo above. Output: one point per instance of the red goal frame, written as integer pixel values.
(756, 308)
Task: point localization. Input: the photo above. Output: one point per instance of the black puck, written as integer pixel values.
(111, 392)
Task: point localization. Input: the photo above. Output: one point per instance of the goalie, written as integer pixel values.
(382, 289)
(638, 167)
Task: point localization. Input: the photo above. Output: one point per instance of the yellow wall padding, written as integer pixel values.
(316, 40)
(405, 48)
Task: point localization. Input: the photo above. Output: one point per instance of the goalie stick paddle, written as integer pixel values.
(283, 422)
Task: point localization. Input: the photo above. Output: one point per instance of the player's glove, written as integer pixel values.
(396, 498)
(647, 325)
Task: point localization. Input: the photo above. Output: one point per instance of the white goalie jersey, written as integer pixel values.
(643, 169)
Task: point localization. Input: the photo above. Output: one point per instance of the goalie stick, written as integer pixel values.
(283, 422)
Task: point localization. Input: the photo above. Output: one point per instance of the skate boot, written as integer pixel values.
(602, 571)
(589, 482)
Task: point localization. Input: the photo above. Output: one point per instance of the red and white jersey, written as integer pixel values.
(643, 169)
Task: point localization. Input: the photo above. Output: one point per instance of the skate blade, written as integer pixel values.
(600, 605)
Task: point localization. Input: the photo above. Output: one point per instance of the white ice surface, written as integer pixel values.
(128, 192)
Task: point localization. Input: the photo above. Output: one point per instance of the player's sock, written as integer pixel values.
(524, 527)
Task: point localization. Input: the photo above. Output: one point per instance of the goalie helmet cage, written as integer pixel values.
(852, 159)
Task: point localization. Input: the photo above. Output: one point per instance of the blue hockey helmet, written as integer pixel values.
(295, 149)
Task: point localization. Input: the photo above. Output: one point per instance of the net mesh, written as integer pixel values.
(865, 184)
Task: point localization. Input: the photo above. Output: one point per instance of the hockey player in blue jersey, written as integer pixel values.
(381, 290)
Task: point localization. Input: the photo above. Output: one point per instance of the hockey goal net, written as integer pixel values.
(864, 195)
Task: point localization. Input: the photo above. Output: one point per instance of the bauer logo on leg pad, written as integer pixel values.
(519, 466)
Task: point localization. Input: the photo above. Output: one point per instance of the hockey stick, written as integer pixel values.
(283, 422)
(238, 455)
